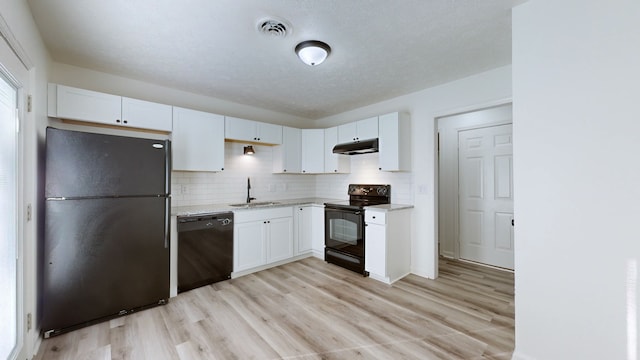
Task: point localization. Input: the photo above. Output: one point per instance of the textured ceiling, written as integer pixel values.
(380, 48)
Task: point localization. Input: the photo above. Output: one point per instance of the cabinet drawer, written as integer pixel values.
(375, 217)
(247, 215)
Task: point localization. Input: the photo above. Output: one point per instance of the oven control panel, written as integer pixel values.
(369, 190)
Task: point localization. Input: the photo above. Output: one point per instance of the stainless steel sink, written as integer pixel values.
(255, 204)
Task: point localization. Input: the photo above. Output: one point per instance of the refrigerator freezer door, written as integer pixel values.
(102, 256)
(82, 164)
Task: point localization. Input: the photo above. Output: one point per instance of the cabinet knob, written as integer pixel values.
(335, 170)
(373, 217)
(126, 122)
(118, 120)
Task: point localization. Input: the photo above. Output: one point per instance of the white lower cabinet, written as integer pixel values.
(262, 237)
(309, 226)
(279, 238)
(387, 244)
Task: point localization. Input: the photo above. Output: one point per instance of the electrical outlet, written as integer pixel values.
(183, 189)
(29, 321)
(29, 212)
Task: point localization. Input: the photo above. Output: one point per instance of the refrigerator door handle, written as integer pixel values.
(167, 221)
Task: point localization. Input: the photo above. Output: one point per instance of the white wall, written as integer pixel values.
(230, 185)
(576, 70)
(364, 170)
(478, 91)
(20, 24)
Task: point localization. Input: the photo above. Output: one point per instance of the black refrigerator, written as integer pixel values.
(106, 242)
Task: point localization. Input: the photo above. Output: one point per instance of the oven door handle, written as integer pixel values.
(346, 211)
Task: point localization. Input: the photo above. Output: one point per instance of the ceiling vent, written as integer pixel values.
(278, 28)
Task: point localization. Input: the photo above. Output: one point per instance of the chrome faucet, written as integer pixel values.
(249, 198)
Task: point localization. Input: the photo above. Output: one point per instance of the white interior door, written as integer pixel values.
(485, 161)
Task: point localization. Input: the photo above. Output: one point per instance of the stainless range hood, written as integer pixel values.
(357, 148)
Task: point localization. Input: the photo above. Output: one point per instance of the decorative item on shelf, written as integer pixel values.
(313, 52)
(248, 150)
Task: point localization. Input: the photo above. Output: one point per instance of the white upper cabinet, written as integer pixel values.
(312, 151)
(197, 140)
(287, 158)
(395, 142)
(334, 163)
(71, 103)
(146, 115)
(358, 130)
(252, 131)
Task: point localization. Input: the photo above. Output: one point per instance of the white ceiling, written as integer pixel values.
(380, 48)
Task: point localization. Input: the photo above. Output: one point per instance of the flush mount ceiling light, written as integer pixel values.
(313, 52)
(248, 150)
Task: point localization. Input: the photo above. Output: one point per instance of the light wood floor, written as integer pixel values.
(313, 310)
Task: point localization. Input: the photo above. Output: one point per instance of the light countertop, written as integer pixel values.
(217, 208)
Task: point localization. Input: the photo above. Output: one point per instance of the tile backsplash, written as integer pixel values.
(230, 185)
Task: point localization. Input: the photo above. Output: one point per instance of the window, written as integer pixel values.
(8, 218)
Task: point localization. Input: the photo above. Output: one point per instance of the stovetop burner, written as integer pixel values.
(364, 195)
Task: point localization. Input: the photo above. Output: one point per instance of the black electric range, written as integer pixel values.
(344, 225)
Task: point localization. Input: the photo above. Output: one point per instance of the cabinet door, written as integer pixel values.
(367, 128)
(249, 249)
(279, 239)
(317, 230)
(395, 142)
(197, 140)
(312, 151)
(375, 249)
(287, 157)
(86, 105)
(240, 129)
(334, 163)
(305, 229)
(347, 133)
(269, 133)
(146, 115)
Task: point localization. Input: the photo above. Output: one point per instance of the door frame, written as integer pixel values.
(17, 67)
(447, 193)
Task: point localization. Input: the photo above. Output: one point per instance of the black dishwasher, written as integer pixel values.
(205, 249)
